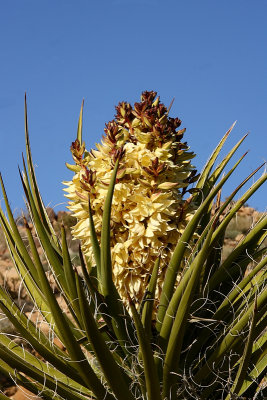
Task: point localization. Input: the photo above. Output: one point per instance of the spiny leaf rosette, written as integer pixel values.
(149, 212)
(202, 338)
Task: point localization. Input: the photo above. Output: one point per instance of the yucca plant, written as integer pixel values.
(152, 312)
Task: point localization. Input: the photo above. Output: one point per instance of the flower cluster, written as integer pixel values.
(149, 212)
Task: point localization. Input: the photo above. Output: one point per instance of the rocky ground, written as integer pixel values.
(9, 278)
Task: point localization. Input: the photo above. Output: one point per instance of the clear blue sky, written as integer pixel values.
(210, 55)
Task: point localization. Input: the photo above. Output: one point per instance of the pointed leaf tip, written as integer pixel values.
(80, 122)
(231, 128)
(170, 106)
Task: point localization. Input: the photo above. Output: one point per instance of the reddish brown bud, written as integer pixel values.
(124, 111)
(112, 133)
(117, 154)
(88, 179)
(148, 97)
(77, 151)
(156, 168)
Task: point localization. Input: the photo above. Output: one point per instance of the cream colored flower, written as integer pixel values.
(148, 210)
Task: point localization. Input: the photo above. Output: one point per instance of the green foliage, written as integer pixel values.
(231, 233)
(240, 224)
(208, 340)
